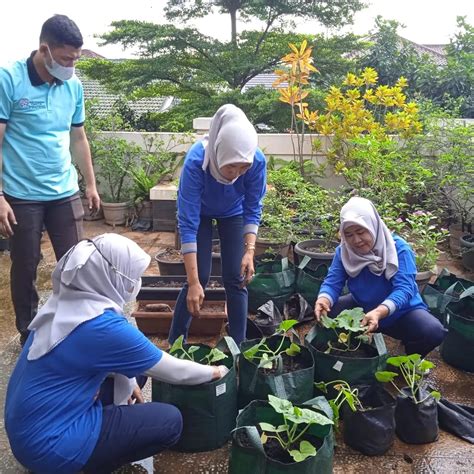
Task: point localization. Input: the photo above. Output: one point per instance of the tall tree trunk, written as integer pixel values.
(233, 24)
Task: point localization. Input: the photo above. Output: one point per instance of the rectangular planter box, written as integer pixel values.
(160, 293)
(153, 322)
(164, 215)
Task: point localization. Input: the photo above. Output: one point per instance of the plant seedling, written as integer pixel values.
(346, 394)
(296, 422)
(178, 350)
(413, 369)
(268, 358)
(347, 328)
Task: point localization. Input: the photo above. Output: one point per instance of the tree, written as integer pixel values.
(185, 63)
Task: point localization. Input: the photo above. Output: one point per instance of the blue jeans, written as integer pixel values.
(232, 249)
(132, 432)
(419, 331)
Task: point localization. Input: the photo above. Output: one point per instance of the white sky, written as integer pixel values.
(426, 21)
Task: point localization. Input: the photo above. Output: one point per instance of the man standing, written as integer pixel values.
(41, 128)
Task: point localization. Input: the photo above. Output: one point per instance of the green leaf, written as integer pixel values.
(287, 324)
(293, 350)
(436, 395)
(268, 427)
(193, 349)
(397, 361)
(306, 450)
(216, 355)
(280, 405)
(328, 322)
(177, 345)
(385, 376)
(321, 386)
(250, 353)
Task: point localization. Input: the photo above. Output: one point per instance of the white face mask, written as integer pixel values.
(63, 73)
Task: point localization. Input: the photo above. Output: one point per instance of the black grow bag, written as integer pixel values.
(458, 346)
(209, 410)
(370, 431)
(250, 458)
(416, 423)
(257, 384)
(355, 371)
(457, 419)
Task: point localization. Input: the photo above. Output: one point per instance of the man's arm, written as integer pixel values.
(7, 217)
(80, 152)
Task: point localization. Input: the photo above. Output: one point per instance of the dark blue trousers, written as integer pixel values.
(131, 433)
(232, 249)
(419, 331)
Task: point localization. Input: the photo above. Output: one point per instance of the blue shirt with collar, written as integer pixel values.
(400, 294)
(200, 194)
(37, 162)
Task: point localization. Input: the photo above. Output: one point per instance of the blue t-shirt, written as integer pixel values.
(369, 290)
(37, 162)
(200, 194)
(51, 418)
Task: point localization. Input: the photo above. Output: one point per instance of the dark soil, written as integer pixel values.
(170, 255)
(207, 307)
(363, 352)
(158, 307)
(179, 284)
(290, 364)
(274, 450)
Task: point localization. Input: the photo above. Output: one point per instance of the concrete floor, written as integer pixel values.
(448, 455)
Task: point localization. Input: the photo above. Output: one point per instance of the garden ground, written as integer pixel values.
(448, 455)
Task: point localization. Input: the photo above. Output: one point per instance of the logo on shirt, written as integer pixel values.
(30, 105)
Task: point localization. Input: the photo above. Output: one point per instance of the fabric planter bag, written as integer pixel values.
(247, 454)
(209, 410)
(446, 289)
(371, 431)
(257, 384)
(458, 346)
(274, 280)
(355, 371)
(309, 281)
(457, 419)
(416, 423)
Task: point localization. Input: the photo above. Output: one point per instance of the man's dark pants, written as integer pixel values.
(62, 218)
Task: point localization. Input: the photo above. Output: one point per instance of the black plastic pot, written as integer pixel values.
(317, 258)
(371, 431)
(158, 293)
(467, 251)
(416, 423)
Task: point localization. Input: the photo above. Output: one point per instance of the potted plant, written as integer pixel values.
(276, 365)
(209, 410)
(114, 158)
(423, 234)
(157, 164)
(342, 350)
(368, 413)
(277, 436)
(416, 412)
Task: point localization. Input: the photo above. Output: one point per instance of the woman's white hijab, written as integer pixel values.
(232, 139)
(85, 285)
(383, 256)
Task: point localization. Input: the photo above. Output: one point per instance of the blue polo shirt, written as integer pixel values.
(37, 162)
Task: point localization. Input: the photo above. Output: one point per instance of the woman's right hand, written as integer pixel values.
(195, 298)
(219, 372)
(321, 307)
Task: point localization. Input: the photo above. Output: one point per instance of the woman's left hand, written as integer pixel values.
(247, 269)
(136, 397)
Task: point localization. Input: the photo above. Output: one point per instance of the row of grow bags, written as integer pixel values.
(277, 279)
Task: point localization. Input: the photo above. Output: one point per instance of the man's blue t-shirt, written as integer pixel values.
(51, 418)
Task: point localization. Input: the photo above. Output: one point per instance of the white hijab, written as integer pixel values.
(383, 257)
(85, 285)
(232, 139)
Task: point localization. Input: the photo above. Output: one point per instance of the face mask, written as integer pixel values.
(63, 73)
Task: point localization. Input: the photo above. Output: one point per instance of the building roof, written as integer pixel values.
(265, 79)
(436, 52)
(106, 100)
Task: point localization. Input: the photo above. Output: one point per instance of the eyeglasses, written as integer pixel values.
(114, 268)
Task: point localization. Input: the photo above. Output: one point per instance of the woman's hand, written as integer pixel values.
(321, 307)
(372, 318)
(194, 299)
(247, 269)
(136, 396)
(219, 372)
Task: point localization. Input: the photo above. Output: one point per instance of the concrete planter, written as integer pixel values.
(115, 213)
